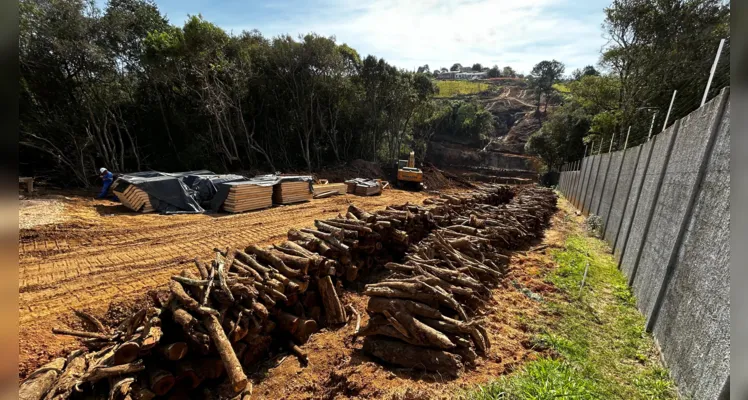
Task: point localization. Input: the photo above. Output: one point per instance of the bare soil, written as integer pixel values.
(105, 259)
(103, 253)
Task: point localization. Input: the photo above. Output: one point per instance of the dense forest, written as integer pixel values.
(120, 87)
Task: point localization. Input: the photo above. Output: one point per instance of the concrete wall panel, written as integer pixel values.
(634, 199)
(693, 327)
(648, 192)
(610, 185)
(598, 184)
(619, 202)
(587, 193)
(687, 155)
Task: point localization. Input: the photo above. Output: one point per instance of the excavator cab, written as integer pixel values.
(408, 176)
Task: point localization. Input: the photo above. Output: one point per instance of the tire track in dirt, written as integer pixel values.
(117, 259)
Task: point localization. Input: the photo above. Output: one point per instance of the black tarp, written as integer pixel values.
(193, 191)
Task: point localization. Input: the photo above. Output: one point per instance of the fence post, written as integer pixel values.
(711, 73)
(615, 187)
(655, 197)
(713, 129)
(651, 126)
(667, 117)
(605, 176)
(574, 180)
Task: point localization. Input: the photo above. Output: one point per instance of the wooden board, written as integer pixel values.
(339, 187)
(135, 199)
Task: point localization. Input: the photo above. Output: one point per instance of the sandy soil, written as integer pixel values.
(102, 253)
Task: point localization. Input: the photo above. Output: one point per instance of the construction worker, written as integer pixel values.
(108, 178)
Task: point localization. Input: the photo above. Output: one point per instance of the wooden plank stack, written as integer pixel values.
(291, 192)
(247, 196)
(340, 187)
(368, 189)
(135, 199)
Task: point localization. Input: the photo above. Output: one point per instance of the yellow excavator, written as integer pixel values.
(408, 176)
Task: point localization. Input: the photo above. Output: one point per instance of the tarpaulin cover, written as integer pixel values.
(176, 192)
(193, 191)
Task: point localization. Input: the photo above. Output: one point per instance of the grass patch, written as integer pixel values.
(592, 339)
(455, 88)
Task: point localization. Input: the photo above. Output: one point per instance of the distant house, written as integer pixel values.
(463, 75)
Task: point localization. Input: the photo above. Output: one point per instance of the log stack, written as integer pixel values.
(291, 192)
(247, 196)
(134, 199)
(421, 315)
(219, 318)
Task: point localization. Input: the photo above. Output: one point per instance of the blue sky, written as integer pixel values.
(439, 33)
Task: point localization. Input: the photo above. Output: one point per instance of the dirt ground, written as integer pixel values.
(85, 253)
(103, 254)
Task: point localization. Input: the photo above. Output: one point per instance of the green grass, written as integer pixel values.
(594, 342)
(454, 88)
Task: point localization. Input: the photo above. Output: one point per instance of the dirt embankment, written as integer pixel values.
(104, 254)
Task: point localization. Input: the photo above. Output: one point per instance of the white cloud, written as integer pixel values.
(519, 33)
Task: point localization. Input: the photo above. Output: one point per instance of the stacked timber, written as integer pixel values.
(134, 198)
(364, 187)
(291, 192)
(220, 318)
(422, 316)
(246, 196)
(340, 188)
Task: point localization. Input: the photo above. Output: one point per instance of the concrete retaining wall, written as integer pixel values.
(665, 206)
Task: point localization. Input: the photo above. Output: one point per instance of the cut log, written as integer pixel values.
(126, 353)
(160, 381)
(274, 261)
(230, 361)
(331, 301)
(174, 351)
(409, 356)
(38, 384)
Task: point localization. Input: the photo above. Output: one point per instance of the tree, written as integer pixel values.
(494, 72)
(477, 67)
(660, 46)
(589, 70)
(119, 87)
(444, 69)
(456, 67)
(424, 69)
(508, 72)
(543, 76)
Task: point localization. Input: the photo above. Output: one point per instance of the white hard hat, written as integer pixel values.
(102, 170)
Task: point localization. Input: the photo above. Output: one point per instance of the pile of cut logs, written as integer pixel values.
(218, 318)
(422, 316)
